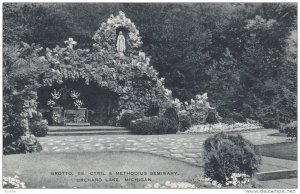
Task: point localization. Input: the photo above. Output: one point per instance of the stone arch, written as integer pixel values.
(100, 102)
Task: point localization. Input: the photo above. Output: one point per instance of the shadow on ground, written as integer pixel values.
(285, 150)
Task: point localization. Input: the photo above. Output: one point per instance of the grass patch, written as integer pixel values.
(35, 169)
(286, 150)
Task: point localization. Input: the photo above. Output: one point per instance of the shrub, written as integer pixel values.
(172, 118)
(197, 109)
(127, 117)
(153, 110)
(290, 129)
(212, 117)
(268, 117)
(149, 126)
(185, 122)
(25, 144)
(227, 154)
(39, 128)
(15, 130)
(37, 125)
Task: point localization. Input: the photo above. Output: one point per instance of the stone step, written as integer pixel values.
(88, 132)
(77, 124)
(84, 128)
(277, 174)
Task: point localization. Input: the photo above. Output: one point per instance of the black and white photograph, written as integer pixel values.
(149, 95)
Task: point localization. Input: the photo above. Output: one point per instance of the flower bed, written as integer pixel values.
(12, 183)
(222, 127)
(171, 185)
(237, 180)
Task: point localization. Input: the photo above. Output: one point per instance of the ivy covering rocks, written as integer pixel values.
(130, 77)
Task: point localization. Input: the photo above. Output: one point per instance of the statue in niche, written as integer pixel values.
(122, 14)
(121, 44)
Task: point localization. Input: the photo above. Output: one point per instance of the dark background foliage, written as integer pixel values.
(243, 55)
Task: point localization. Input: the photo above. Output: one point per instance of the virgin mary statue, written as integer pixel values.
(121, 43)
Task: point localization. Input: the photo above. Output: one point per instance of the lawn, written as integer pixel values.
(35, 169)
(286, 150)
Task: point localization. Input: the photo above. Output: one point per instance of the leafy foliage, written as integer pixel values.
(168, 123)
(38, 126)
(244, 55)
(150, 126)
(185, 122)
(127, 117)
(227, 154)
(172, 118)
(21, 67)
(198, 108)
(25, 144)
(130, 77)
(291, 129)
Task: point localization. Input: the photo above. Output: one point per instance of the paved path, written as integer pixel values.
(182, 147)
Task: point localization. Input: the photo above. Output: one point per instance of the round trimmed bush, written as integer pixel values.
(127, 117)
(39, 128)
(225, 154)
(37, 125)
(149, 126)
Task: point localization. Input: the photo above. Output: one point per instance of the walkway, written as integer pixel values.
(182, 147)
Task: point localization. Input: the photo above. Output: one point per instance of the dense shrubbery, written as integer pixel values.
(290, 129)
(22, 66)
(185, 122)
(38, 126)
(166, 124)
(227, 154)
(149, 126)
(198, 110)
(153, 110)
(259, 74)
(172, 118)
(25, 144)
(127, 117)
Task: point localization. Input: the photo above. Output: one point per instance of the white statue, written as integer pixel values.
(70, 42)
(121, 14)
(121, 44)
(142, 56)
